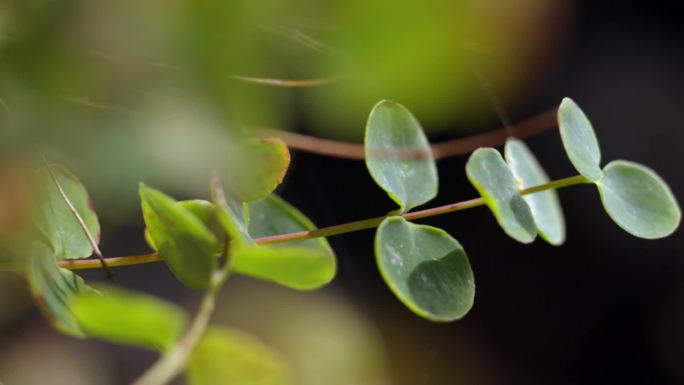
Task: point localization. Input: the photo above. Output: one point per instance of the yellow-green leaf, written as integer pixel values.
(230, 357)
(186, 245)
(126, 317)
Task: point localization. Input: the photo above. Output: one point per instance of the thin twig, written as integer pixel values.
(81, 223)
(337, 229)
(289, 83)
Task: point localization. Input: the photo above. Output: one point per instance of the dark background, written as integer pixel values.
(603, 308)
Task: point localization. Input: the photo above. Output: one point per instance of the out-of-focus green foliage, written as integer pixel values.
(52, 288)
(182, 240)
(130, 85)
(55, 219)
(230, 357)
(127, 317)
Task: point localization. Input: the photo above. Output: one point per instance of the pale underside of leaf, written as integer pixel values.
(545, 205)
(579, 140)
(638, 200)
(398, 155)
(493, 179)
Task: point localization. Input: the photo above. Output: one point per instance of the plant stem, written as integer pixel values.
(77, 264)
(174, 361)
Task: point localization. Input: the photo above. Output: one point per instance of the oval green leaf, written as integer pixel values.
(579, 140)
(492, 177)
(545, 205)
(182, 240)
(126, 317)
(230, 357)
(426, 268)
(398, 155)
(52, 287)
(302, 265)
(638, 200)
(255, 167)
(55, 220)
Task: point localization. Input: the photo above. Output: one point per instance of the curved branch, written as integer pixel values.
(348, 150)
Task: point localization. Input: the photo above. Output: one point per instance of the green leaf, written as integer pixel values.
(205, 211)
(233, 215)
(302, 265)
(53, 287)
(492, 177)
(182, 240)
(545, 205)
(579, 140)
(638, 200)
(126, 317)
(230, 357)
(426, 268)
(398, 155)
(255, 167)
(55, 220)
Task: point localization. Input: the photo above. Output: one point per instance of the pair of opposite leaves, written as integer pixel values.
(428, 269)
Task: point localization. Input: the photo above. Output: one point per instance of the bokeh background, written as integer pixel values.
(131, 91)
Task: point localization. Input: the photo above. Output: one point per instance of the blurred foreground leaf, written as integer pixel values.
(255, 167)
(230, 357)
(53, 287)
(54, 218)
(182, 240)
(126, 317)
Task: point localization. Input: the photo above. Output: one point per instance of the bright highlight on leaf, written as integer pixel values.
(230, 357)
(53, 287)
(579, 140)
(186, 245)
(398, 155)
(492, 177)
(127, 317)
(302, 265)
(545, 205)
(54, 218)
(426, 268)
(638, 200)
(255, 167)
